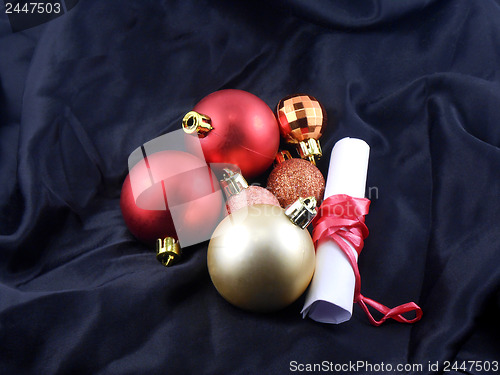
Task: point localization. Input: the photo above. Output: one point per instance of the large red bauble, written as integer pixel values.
(245, 131)
(171, 181)
(145, 225)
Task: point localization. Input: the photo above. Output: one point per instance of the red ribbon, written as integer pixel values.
(341, 218)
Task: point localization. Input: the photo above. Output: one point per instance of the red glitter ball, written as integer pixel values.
(296, 178)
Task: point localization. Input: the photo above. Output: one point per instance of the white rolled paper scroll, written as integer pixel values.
(331, 292)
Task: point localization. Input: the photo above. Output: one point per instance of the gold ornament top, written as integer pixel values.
(196, 122)
(168, 251)
(282, 156)
(302, 211)
(232, 182)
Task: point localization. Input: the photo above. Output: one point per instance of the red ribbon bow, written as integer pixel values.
(341, 218)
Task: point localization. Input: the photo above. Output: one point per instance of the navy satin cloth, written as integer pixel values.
(418, 80)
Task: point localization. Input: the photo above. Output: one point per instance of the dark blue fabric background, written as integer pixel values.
(418, 80)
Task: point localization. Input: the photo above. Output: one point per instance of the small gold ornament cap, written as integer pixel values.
(310, 149)
(302, 211)
(168, 251)
(232, 182)
(282, 156)
(196, 122)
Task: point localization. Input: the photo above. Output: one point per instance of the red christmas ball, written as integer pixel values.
(235, 127)
(171, 194)
(146, 225)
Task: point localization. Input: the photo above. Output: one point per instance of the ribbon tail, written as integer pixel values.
(395, 313)
(348, 232)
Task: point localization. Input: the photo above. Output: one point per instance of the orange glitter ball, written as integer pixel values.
(296, 178)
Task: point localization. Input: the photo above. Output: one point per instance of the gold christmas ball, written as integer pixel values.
(302, 120)
(259, 260)
(300, 117)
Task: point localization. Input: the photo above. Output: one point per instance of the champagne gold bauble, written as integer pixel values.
(259, 260)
